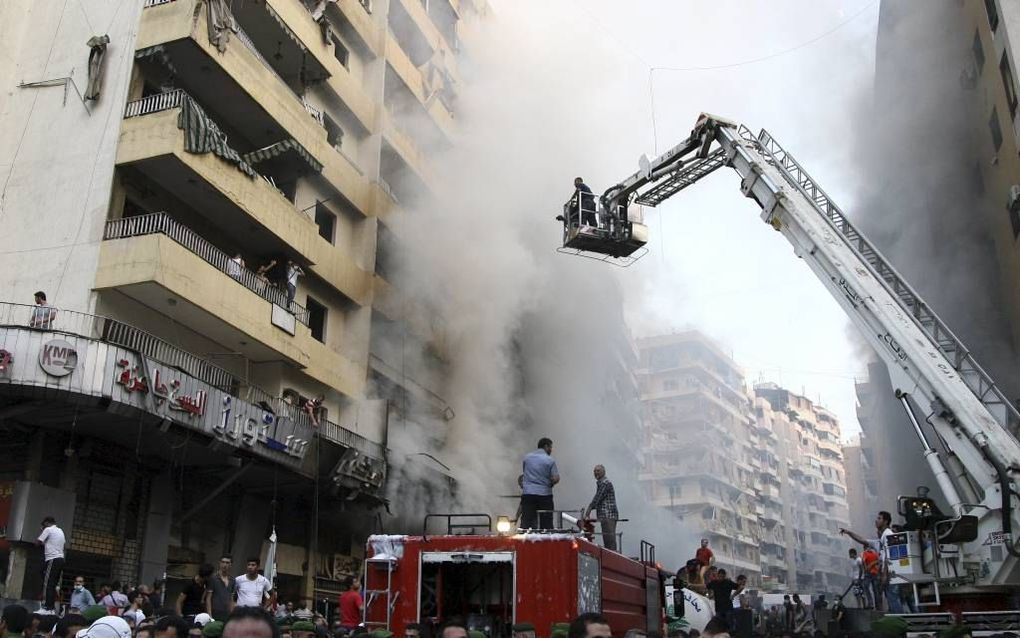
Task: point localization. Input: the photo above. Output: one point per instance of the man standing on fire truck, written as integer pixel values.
(604, 504)
(540, 474)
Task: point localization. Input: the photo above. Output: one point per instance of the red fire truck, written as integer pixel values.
(493, 581)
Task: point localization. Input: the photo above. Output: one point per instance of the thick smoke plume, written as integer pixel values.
(532, 336)
(920, 192)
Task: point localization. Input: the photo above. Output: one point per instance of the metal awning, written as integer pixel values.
(279, 148)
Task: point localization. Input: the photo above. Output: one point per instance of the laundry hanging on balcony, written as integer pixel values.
(202, 135)
(221, 23)
(279, 148)
(97, 45)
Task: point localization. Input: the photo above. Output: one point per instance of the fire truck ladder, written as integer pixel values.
(375, 567)
(955, 352)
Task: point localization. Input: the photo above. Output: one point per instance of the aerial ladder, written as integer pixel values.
(965, 558)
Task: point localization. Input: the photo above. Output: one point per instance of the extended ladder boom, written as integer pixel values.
(927, 362)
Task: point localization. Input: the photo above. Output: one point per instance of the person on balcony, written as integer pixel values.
(236, 266)
(43, 315)
(293, 272)
(313, 408)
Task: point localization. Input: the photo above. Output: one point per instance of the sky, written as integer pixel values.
(713, 265)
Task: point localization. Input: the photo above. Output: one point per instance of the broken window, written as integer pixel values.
(334, 134)
(316, 319)
(993, 14)
(340, 52)
(1007, 83)
(979, 51)
(326, 221)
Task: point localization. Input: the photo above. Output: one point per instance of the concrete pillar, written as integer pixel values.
(250, 528)
(17, 564)
(157, 528)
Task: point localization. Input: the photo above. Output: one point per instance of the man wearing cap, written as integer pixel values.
(213, 629)
(52, 541)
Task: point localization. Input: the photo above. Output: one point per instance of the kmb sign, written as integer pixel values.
(58, 358)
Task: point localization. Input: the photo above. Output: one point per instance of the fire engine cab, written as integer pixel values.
(492, 581)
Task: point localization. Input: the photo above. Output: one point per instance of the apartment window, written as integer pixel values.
(316, 319)
(334, 134)
(1014, 219)
(1007, 83)
(995, 129)
(675, 492)
(979, 51)
(993, 14)
(326, 221)
(340, 52)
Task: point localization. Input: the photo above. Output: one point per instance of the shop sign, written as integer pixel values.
(178, 396)
(58, 358)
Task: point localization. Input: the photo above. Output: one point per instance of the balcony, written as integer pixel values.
(164, 224)
(248, 93)
(414, 81)
(157, 271)
(153, 144)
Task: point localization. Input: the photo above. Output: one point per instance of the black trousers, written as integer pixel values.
(51, 580)
(530, 506)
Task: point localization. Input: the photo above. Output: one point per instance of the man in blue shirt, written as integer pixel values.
(540, 474)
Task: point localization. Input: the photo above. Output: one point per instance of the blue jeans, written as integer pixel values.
(892, 598)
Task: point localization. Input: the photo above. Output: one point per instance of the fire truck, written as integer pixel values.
(960, 556)
(493, 580)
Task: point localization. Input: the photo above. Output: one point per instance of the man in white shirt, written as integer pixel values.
(252, 587)
(883, 524)
(52, 541)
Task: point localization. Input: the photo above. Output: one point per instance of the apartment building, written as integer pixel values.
(861, 483)
(814, 489)
(700, 445)
(180, 165)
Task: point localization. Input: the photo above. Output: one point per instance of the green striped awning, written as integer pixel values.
(202, 135)
(279, 148)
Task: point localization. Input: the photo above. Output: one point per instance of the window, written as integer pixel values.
(316, 319)
(334, 134)
(1014, 220)
(669, 384)
(979, 52)
(993, 126)
(340, 52)
(993, 14)
(675, 491)
(1007, 83)
(326, 221)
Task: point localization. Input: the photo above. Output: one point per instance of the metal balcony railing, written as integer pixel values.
(155, 103)
(155, 3)
(164, 224)
(120, 334)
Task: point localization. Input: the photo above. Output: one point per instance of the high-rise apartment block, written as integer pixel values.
(760, 475)
(201, 189)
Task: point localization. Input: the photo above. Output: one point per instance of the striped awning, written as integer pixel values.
(311, 70)
(279, 148)
(202, 135)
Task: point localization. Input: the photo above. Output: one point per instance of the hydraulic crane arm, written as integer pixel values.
(927, 362)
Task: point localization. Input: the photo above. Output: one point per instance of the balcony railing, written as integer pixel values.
(155, 3)
(119, 334)
(163, 224)
(155, 103)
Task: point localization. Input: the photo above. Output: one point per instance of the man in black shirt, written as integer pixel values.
(191, 601)
(723, 590)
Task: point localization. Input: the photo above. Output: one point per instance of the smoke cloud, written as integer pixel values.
(533, 337)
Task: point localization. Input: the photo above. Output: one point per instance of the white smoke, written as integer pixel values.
(531, 335)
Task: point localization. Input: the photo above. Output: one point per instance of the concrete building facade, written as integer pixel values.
(699, 445)
(164, 176)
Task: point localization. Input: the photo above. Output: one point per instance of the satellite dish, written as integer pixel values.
(645, 165)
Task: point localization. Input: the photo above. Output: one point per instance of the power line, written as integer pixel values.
(771, 55)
